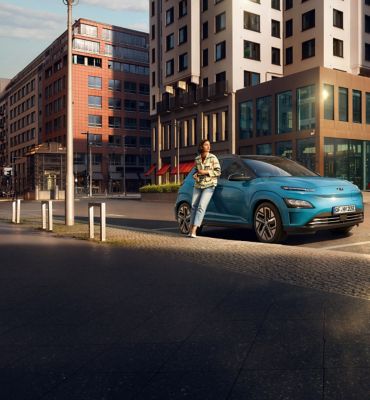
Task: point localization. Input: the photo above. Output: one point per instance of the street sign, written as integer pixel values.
(7, 171)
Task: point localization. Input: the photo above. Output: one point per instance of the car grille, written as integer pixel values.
(336, 219)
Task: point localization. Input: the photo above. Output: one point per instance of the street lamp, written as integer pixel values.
(69, 197)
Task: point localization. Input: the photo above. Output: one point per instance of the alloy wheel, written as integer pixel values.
(267, 223)
(183, 218)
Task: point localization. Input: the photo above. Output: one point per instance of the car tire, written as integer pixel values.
(183, 217)
(267, 224)
(341, 231)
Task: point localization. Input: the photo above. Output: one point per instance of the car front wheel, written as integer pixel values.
(183, 218)
(267, 224)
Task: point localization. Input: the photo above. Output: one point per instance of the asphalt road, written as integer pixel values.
(160, 217)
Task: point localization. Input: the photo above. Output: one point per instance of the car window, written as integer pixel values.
(233, 166)
(276, 166)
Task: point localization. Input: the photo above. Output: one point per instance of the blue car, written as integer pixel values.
(274, 196)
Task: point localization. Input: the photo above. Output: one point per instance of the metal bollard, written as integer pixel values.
(102, 220)
(47, 215)
(16, 211)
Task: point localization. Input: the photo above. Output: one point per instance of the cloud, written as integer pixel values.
(120, 5)
(20, 22)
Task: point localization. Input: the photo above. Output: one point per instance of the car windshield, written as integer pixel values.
(277, 166)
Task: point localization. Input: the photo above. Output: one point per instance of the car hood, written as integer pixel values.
(317, 185)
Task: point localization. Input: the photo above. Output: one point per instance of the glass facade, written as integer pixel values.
(347, 159)
(328, 95)
(246, 119)
(264, 149)
(263, 116)
(367, 108)
(356, 106)
(284, 149)
(343, 104)
(284, 112)
(306, 102)
(306, 153)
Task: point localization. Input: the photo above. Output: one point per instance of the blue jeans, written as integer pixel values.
(199, 204)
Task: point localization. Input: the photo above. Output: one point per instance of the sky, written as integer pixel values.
(27, 27)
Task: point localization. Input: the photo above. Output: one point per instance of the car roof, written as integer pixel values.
(251, 157)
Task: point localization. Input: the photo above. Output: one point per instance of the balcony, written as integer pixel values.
(193, 98)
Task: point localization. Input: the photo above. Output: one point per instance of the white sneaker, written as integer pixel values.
(193, 235)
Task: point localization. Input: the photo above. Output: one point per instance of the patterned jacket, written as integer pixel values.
(212, 165)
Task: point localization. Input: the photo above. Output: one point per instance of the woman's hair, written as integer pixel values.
(200, 147)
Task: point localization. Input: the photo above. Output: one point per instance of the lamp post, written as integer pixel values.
(69, 197)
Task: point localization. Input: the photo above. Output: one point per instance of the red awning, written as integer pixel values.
(150, 170)
(163, 170)
(184, 168)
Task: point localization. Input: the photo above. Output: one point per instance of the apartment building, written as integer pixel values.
(110, 108)
(316, 112)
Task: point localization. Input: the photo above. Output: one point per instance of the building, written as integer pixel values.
(110, 107)
(311, 46)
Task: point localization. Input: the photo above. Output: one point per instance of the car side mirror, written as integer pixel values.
(239, 177)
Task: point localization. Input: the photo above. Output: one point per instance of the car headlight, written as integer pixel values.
(297, 189)
(295, 203)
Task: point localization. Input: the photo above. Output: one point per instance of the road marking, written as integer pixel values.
(344, 245)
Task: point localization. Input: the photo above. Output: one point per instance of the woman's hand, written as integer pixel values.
(203, 172)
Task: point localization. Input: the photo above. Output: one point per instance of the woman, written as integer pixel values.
(207, 170)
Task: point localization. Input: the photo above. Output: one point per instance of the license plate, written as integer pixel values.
(344, 209)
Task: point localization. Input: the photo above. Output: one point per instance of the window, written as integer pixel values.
(204, 5)
(367, 2)
(170, 67)
(264, 149)
(246, 119)
(251, 21)
(251, 50)
(170, 41)
(221, 76)
(289, 28)
(144, 124)
(284, 149)
(153, 9)
(308, 20)
(338, 18)
(275, 56)
(343, 104)
(114, 122)
(284, 112)
(288, 4)
(205, 30)
(356, 105)
(220, 22)
(251, 78)
(88, 30)
(143, 106)
(205, 57)
(130, 123)
(220, 51)
(183, 62)
(170, 15)
(183, 34)
(144, 88)
(153, 32)
(306, 153)
(153, 55)
(275, 4)
(129, 87)
(288, 55)
(183, 8)
(153, 78)
(367, 108)
(95, 120)
(114, 103)
(86, 45)
(308, 49)
(337, 47)
(130, 105)
(275, 28)
(263, 115)
(94, 82)
(328, 95)
(95, 101)
(306, 103)
(367, 52)
(114, 84)
(367, 23)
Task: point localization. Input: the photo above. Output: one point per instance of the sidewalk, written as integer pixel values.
(81, 320)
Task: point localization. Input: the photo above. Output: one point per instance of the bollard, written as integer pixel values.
(47, 215)
(16, 211)
(102, 220)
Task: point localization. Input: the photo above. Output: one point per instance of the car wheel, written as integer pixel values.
(183, 218)
(267, 224)
(341, 231)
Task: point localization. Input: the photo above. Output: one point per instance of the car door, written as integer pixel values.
(231, 198)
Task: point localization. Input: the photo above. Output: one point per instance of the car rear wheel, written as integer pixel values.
(267, 224)
(183, 218)
(341, 231)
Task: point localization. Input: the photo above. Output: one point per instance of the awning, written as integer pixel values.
(150, 170)
(185, 168)
(164, 169)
